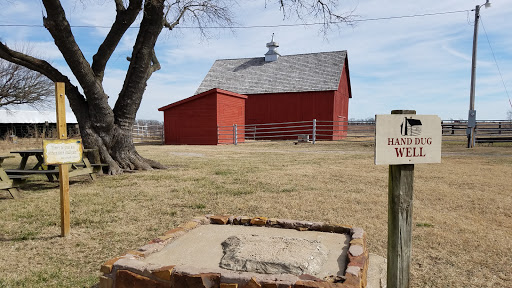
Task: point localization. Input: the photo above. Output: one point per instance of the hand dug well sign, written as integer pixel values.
(407, 139)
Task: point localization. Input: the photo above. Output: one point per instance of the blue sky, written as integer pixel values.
(420, 63)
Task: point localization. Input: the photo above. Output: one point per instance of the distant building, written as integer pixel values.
(22, 123)
(287, 88)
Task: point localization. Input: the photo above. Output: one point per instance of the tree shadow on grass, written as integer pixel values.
(29, 187)
(37, 187)
(19, 238)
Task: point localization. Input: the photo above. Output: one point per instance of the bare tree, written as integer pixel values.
(19, 85)
(109, 129)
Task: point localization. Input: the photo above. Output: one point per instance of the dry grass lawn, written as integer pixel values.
(462, 218)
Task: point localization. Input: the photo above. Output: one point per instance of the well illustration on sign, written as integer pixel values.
(410, 127)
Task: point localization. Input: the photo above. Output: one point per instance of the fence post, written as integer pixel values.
(475, 132)
(162, 134)
(314, 131)
(46, 129)
(36, 134)
(235, 136)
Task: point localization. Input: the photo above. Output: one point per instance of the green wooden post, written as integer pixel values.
(400, 200)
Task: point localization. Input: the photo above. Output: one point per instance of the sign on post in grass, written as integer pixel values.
(403, 139)
(407, 139)
(62, 151)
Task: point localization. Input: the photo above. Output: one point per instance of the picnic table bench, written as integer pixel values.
(9, 183)
(51, 171)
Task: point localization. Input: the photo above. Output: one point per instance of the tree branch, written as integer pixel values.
(59, 28)
(155, 66)
(76, 99)
(201, 13)
(142, 62)
(170, 26)
(20, 85)
(119, 5)
(124, 19)
(32, 63)
(317, 9)
(96, 109)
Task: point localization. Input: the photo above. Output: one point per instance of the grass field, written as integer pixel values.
(462, 218)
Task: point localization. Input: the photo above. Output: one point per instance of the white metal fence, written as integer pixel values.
(487, 131)
(148, 134)
(302, 131)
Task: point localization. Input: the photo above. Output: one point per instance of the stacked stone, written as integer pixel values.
(129, 271)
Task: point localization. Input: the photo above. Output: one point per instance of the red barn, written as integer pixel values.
(278, 89)
(288, 88)
(194, 120)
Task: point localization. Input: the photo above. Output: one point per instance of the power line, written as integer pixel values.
(496, 62)
(410, 16)
(260, 26)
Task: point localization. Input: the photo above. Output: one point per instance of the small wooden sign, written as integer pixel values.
(407, 139)
(62, 151)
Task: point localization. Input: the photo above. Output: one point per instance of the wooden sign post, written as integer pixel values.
(60, 97)
(403, 139)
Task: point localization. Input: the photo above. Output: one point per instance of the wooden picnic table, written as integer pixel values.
(51, 171)
(25, 155)
(7, 183)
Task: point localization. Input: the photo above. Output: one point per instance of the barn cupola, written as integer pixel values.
(272, 53)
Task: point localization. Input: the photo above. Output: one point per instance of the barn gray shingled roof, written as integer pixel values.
(290, 73)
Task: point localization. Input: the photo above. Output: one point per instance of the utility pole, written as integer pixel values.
(470, 131)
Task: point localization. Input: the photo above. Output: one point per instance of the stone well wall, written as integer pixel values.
(130, 270)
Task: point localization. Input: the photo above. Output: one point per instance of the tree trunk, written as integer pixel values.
(116, 149)
(103, 128)
(114, 142)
